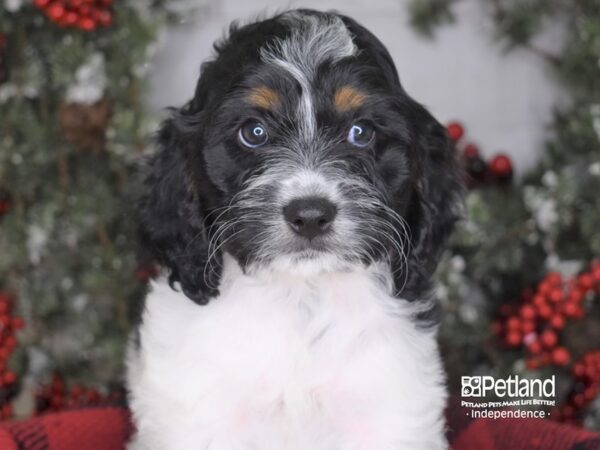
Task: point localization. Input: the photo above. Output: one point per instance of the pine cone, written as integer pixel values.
(84, 126)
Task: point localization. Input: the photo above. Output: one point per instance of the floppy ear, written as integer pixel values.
(171, 219)
(437, 199)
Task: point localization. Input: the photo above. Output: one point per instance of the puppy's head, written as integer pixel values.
(300, 151)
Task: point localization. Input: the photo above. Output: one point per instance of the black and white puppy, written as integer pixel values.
(300, 202)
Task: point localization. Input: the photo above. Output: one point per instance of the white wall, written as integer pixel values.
(505, 100)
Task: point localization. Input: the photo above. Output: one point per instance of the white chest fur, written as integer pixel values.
(278, 362)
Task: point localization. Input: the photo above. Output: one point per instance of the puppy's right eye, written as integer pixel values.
(253, 134)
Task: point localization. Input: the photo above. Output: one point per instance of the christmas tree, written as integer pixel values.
(73, 124)
(521, 282)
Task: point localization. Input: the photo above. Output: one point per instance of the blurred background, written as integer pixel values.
(84, 83)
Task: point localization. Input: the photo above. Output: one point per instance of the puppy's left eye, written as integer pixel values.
(361, 134)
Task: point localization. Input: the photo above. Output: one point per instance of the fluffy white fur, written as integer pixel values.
(302, 359)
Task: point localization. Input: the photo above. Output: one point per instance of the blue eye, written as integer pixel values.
(361, 134)
(253, 134)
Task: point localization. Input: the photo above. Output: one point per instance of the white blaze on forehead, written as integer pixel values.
(314, 39)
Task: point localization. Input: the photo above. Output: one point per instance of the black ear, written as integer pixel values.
(171, 217)
(436, 202)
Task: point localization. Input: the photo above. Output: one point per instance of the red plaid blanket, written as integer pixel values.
(108, 429)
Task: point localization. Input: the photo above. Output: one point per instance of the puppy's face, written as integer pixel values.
(300, 151)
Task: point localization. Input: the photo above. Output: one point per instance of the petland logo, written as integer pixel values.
(513, 386)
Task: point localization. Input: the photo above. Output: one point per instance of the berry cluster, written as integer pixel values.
(57, 397)
(9, 325)
(498, 170)
(86, 15)
(586, 372)
(537, 322)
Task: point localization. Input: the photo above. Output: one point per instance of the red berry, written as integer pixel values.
(514, 338)
(557, 321)
(86, 24)
(570, 309)
(545, 312)
(103, 17)
(556, 295)
(535, 347)
(527, 312)
(591, 372)
(538, 300)
(501, 167)
(70, 19)
(545, 287)
(553, 278)
(9, 377)
(55, 11)
(576, 296)
(471, 151)
(549, 339)
(41, 3)
(527, 326)
(85, 10)
(513, 323)
(455, 131)
(560, 356)
(578, 370)
(586, 281)
(590, 393)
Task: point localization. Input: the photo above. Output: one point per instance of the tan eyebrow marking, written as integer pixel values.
(348, 98)
(264, 97)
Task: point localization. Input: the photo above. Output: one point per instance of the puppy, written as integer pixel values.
(299, 203)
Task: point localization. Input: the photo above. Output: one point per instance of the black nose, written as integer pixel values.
(311, 216)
